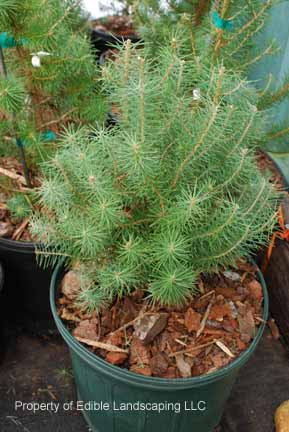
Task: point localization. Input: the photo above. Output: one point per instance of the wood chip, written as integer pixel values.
(6, 229)
(159, 364)
(223, 347)
(149, 326)
(219, 312)
(201, 287)
(219, 332)
(192, 320)
(71, 284)
(246, 324)
(19, 231)
(105, 346)
(130, 323)
(205, 317)
(189, 350)
(69, 316)
(116, 358)
(233, 276)
(87, 329)
(13, 175)
(142, 370)
(181, 342)
(255, 289)
(183, 366)
(206, 295)
(139, 353)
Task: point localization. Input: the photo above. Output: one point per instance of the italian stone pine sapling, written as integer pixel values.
(49, 75)
(49, 79)
(170, 193)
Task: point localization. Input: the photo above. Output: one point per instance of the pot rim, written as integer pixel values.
(108, 36)
(153, 383)
(17, 244)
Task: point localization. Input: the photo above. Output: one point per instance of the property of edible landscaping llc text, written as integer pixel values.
(55, 407)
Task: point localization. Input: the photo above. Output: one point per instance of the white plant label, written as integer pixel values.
(36, 58)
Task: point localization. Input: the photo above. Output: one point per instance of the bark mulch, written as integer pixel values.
(120, 25)
(12, 181)
(201, 337)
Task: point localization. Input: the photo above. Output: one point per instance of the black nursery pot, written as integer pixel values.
(2, 330)
(26, 289)
(103, 41)
(1, 278)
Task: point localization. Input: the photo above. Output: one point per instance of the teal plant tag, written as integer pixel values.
(19, 143)
(48, 136)
(221, 23)
(8, 41)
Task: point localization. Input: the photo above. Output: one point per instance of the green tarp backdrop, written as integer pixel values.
(277, 29)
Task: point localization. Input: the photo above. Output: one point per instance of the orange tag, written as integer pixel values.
(282, 234)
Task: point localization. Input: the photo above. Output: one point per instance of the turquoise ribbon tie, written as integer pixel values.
(48, 136)
(8, 41)
(19, 143)
(221, 23)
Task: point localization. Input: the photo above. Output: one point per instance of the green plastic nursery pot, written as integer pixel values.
(116, 400)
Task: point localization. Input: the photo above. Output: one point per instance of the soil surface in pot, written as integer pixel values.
(119, 25)
(12, 182)
(199, 338)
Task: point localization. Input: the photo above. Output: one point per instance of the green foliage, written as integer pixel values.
(19, 206)
(12, 95)
(8, 9)
(173, 191)
(65, 88)
(234, 47)
(237, 48)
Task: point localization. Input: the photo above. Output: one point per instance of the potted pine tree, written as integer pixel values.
(48, 80)
(145, 216)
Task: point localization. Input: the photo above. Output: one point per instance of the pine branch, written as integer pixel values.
(250, 22)
(267, 99)
(194, 149)
(68, 10)
(247, 38)
(172, 191)
(205, 132)
(142, 100)
(267, 51)
(220, 32)
(278, 133)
